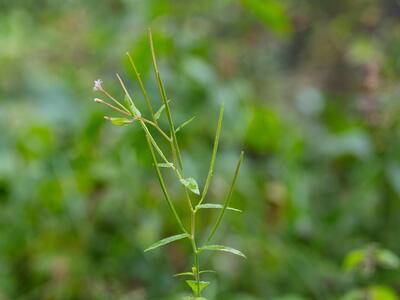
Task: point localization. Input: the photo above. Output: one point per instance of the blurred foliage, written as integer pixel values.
(311, 94)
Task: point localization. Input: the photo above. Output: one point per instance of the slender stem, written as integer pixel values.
(128, 95)
(153, 142)
(178, 168)
(195, 253)
(143, 89)
(228, 198)
(110, 105)
(163, 187)
(214, 154)
(158, 129)
(115, 100)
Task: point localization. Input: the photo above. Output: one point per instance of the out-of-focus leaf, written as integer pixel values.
(374, 292)
(388, 259)
(167, 241)
(354, 259)
(271, 13)
(379, 292)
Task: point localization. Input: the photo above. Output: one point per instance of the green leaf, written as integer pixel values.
(184, 274)
(193, 285)
(132, 108)
(388, 259)
(227, 199)
(380, 292)
(217, 206)
(191, 184)
(165, 165)
(157, 115)
(354, 259)
(207, 271)
(271, 13)
(184, 124)
(119, 121)
(222, 248)
(127, 101)
(167, 241)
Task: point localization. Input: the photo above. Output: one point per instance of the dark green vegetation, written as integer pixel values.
(311, 94)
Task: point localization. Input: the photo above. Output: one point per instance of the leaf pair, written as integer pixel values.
(223, 249)
(204, 248)
(197, 287)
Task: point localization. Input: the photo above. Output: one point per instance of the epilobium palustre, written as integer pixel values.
(131, 115)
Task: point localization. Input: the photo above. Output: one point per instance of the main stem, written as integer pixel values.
(195, 253)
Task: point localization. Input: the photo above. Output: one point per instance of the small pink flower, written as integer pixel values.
(97, 85)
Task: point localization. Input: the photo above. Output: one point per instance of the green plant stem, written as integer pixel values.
(173, 142)
(163, 187)
(142, 88)
(127, 94)
(153, 142)
(111, 106)
(195, 253)
(227, 199)
(155, 125)
(114, 100)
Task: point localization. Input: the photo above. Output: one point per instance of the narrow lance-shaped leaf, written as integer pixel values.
(157, 115)
(167, 241)
(175, 148)
(184, 124)
(228, 198)
(223, 249)
(216, 206)
(214, 154)
(193, 274)
(191, 184)
(184, 274)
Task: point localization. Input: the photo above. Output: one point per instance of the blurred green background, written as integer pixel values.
(311, 95)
